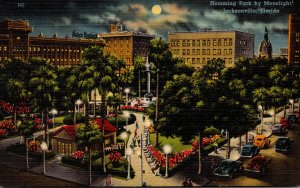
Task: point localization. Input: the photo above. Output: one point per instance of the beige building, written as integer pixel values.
(126, 44)
(196, 48)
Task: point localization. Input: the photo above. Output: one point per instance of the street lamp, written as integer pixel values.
(53, 112)
(228, 144)
(126, 115)
(129, 152)
(140, 152)
(123, 136)
(167, 150)
(78, 102)
(292, 102)
(147, 125)
(44, 147)
(127, 90)
(261, 109)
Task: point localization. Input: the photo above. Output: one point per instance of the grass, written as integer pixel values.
(174, 142)
(59, 121)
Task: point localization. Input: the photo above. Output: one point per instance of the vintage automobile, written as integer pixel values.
(261, 141)
(278, 129)
(292, 118)
(283, 144)
(256, 165)
(285, 122)
(249, 151)
(228, 168)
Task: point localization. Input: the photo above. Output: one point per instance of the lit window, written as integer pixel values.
(208, 42)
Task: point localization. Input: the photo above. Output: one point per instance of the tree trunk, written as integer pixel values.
(15, 116)
(293, 107)
(274, 116)
(26, 145)
(90, 165)
(74, 120)
(284, 110)
(47, 126)
(156, 109)
(228, 152)
(94, 103)
(199, 154)
(139, 83)
(246, 138)
(103, 133)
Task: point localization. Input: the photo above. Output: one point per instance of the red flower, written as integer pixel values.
(115, 156)
(78, 155)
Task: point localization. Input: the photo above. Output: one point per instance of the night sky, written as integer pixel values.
(62, 17)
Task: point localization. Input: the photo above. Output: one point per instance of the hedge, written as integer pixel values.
(20, 149)
(122, 120)
(69, 119)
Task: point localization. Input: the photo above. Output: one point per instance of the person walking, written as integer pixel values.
(136, 125)
(144, 117)
(138, 141)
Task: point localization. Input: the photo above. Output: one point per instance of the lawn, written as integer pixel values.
(59, 121)
(174, 142)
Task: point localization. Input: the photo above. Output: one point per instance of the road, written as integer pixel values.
(284, 168)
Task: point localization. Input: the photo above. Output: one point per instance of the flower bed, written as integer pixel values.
(7, 128)
(115, 147)
(133, 108)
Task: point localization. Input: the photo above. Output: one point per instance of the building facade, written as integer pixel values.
(126, 44)
(196, 48)
(15, 42)
(294, 39)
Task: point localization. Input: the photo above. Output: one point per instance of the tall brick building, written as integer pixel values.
(294, 39)
(196, 48)
(16, 42)
(126, 44)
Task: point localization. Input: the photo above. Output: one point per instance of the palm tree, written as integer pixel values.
(159, 54)
(26, 129)
(139, 63)
(16, 93)
(104, 79)
(88, 134)
(115, 101)
(43, 85)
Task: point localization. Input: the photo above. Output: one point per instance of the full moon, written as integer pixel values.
(156, 10)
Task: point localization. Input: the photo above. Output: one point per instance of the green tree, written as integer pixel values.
(139, 65)
(87, 135)
(43, 86)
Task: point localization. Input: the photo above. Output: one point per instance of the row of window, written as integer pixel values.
(204, 60)
(34, 49)
(204, 42)
(203, 52)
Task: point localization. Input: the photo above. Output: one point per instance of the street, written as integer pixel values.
(284, 168)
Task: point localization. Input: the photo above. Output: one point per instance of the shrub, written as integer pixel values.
(115, 157)
(67, 159)
(80, 118)
(68, 120)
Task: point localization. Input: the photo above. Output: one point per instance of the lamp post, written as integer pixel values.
(126, 115)
(228, 144)
(261, 109)
(292, 102)
(140, 154)
(147, 125)
(148, 70)
(53, 112)
(167, 150)
(123, 136)
(129, 152)
(127, 90)
(78, 102)
(44, 147)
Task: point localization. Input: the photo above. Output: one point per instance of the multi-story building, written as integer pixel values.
(16, 42)
(196, 48)
(126, 44)
(294, 38)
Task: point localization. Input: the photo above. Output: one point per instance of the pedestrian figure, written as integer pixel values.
(136, 125)
(184, 183)
(190, 184)
(135, 132)
(138, 141)
(144, 117)
(133, 141)
(215, 144)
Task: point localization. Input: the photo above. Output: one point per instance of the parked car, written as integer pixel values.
(278, 129)
(285, 122)
(292, 118)
(257, 165)
(228, 168)
(261, 141)
(249, 151)
(283, 144)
